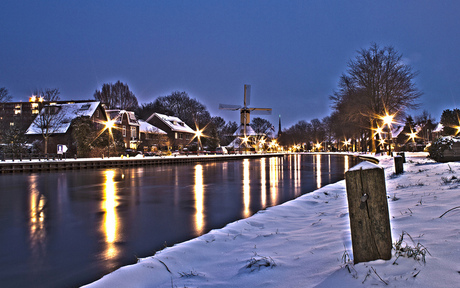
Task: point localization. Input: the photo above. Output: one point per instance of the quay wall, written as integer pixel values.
(20, 166)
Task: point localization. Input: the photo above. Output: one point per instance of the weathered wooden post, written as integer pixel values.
(399, 167)
(368, 211)
(403, 155)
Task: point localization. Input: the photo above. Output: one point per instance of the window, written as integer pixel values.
(180, 136)
(85, 107)
(124, 130)
(97, 113)
(133, 133)
(175, 135)
(187, 137)
(11, 124)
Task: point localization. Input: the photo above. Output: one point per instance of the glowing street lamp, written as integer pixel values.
(346, 143)
(388, 120)
(198, 134)
(108, 126)
(318, 146)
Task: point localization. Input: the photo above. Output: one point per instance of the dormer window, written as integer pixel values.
(85, 107)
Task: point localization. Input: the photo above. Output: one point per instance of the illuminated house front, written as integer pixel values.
(179, 133)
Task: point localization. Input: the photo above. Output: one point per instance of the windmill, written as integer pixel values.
(245, 111)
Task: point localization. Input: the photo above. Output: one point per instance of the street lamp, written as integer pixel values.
(108, 127)
(198, 134)
(387, 120)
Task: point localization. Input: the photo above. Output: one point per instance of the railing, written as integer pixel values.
(32, 156)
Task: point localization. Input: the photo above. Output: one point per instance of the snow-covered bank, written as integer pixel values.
(306, 242)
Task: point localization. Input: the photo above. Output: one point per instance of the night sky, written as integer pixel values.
(291, 52)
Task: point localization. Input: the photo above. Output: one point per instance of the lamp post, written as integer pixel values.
(387, 120)
(198, 134)
(108, 127)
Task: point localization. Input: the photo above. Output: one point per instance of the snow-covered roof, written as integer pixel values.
(64, 115)
(174, 123)
(146, 127)
(117, 116)
(249, 131)
(438, 128)
(396, 131)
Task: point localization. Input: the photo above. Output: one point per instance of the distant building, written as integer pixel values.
(128, 124)
(152, 138)
(22, 114)
(180, 134)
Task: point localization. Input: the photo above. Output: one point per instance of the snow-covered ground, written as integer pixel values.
(307, 243)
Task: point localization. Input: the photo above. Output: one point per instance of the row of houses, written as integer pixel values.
(158, 130)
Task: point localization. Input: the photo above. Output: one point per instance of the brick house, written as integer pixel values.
(128, 124)
(63, 115)
(152, 138)
(180, 134)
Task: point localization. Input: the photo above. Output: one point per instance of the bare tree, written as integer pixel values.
(377, 82)
(4, 95)
(117, 96)
(189, 110)
(48, 94)
(260, 125)
(48, 122)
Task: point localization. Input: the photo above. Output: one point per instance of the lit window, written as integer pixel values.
(11, 124)
(124, 131)
(16, 112)
(133, 133)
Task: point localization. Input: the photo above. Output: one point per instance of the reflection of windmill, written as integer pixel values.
(245, 129)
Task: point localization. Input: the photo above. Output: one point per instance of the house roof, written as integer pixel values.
(438, 128)
(249, 131)
(117, 116)
(173, 122)
(396, 131)
(146, 127)
(64, 115)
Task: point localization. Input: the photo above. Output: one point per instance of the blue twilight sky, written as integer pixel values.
(291, 52)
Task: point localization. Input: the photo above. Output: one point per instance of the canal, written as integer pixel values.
(67, 229)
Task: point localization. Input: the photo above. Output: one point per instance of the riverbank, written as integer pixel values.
(306, 242)
(35, 165)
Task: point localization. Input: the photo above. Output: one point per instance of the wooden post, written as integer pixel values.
(399, 167)
(368, 211)
(403, 155)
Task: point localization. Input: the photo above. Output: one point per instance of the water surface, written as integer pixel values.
(67, 229)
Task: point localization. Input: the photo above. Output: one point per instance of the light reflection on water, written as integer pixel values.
(81, 225)
(199, 199)
(37, 218)
(263, 183)
(246, 189)
(111, 220)
(317, 159)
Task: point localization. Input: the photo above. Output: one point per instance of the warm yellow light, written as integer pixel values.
(387, 119)
(458, 129)
(412, 135)
(109, 124)
(382, 142)
(346, 142)
(378, 130)
(198, 133)
(318, 145)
